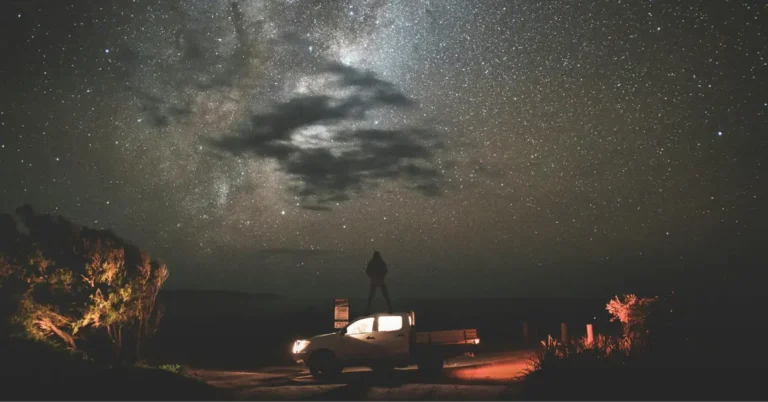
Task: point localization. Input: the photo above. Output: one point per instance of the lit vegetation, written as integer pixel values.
(78, 287)
(173, 368)
(605, 367)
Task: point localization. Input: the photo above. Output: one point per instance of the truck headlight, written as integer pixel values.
(299, 346)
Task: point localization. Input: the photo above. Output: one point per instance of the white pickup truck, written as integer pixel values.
(382, 342)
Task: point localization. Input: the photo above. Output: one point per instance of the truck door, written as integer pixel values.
(392, 337)
(359, 340)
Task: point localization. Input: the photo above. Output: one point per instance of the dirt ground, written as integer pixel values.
(486, 377)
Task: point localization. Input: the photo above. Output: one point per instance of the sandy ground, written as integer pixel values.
(485, 377)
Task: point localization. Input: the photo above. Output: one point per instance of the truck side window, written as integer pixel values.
(388, 323)
(362, 326)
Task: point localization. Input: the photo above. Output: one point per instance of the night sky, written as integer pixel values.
(521, 148)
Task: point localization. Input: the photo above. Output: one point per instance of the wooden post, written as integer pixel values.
(526, 340)
(563, 333)
(590, 335)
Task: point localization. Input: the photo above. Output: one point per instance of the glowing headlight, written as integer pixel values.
(299, 346)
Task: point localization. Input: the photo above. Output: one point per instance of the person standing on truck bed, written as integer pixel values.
(377, 270)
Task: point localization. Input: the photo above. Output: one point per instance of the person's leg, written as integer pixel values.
(370, 298)
(386, 297)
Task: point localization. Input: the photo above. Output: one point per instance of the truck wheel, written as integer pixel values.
(324, 366)
(383, 370)
(430, 366)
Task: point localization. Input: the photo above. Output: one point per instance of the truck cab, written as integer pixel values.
(380, 341)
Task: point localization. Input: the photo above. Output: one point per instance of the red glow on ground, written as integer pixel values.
(501, 371)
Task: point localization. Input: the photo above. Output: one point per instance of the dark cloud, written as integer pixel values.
(317, 207)
(357, 158)
(159, 112)
(381, 91)
(383, 154)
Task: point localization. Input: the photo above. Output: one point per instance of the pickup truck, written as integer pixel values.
(382, 342)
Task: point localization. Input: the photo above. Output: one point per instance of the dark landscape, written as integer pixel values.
(85, 324)
(226, 335)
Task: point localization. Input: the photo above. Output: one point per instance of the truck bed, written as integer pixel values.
(449, 337)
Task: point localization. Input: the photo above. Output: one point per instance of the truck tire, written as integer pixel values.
(430, 365)
(384, 370)
(324, 366)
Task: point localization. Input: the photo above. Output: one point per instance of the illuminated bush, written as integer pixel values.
(632, 312)
(603, 352)
(173, 368)
(76, 286)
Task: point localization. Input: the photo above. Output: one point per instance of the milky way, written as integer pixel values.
(272, 145)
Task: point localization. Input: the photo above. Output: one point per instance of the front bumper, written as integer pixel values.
(300, 358)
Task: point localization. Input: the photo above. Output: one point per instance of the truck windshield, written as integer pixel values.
(361, 326)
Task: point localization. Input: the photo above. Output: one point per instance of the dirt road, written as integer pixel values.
(486, 377)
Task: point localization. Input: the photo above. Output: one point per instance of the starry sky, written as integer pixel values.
(495, 147)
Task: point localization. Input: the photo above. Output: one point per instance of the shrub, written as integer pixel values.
(604, 352)
(78, 287)
(631, 311)
(173, 368)
(609, 366)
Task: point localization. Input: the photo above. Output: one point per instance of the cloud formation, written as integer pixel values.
(344, 160)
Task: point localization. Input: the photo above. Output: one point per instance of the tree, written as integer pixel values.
(45, 306)
(68, 284)
(632, 312)
(109, 290)
(152, 276)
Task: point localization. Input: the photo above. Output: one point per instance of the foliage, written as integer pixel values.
(660, 340)
(78, 287)
(604, 351)
(632, 312)
(173, 368)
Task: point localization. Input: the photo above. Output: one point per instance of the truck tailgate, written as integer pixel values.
(449, 337)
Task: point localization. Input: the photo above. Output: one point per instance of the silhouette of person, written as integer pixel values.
(377, 270)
